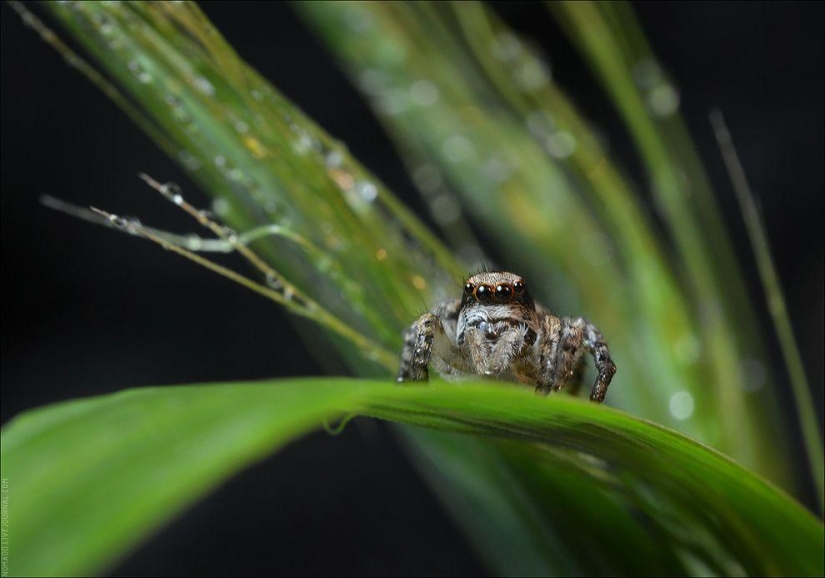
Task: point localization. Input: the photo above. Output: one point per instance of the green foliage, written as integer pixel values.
(534, 173)
(612, 493)
(541, 486)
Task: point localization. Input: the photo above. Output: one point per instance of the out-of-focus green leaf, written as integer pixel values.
(88, 479)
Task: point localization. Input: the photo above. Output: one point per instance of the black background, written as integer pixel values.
(87, 311)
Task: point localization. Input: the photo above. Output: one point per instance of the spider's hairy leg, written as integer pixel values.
(418, 348)
(594, 341)
(548, 352)
(560, 354)
(433, 332)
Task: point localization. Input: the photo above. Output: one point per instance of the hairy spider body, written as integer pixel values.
(496, 329)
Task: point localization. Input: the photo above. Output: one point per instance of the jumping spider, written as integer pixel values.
(496, 329)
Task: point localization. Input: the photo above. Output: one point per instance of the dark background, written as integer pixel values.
(87, 311)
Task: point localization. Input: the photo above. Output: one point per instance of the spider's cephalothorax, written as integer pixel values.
(496, 329)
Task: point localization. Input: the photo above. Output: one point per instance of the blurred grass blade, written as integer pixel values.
(89, 479)
(776, 304)
(612, 42)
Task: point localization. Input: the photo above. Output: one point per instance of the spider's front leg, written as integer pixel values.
(594, 341)
(427, 335)
(561, 351)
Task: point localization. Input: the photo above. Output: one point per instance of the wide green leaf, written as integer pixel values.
(91, 478)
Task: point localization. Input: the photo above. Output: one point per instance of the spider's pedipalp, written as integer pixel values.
(433, 332)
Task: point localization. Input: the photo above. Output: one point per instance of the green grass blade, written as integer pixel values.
(776, 305)
(613, 44)
(89, 479)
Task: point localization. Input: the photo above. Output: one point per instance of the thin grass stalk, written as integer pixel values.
(776, 306)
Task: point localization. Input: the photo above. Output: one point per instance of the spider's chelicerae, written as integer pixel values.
(497, 329)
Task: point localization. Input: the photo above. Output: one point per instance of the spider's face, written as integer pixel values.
(496, 289)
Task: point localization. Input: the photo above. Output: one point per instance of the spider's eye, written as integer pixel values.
(504, 292)
(484, 293)
(468, 288)
(518, 286)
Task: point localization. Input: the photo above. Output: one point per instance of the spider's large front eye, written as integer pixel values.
(504, 292)
(518, 286)
(484, 293)
(468, 288)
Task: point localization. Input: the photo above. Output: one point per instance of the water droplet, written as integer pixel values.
(374, 81)
(681, 405)
(753, 375)
(445, 209)
(257, 94)
(220, 161)
(392, 102)
(663, 100)
(193, 242)
(324, 264)
(647, 74)
(104, 23)
(457, 148)
(203, 84)
(220, 207)
(532, 75)
(561, 144)
(507, 46)
(172, 192)
(334, 158)
(241, 127)
(381, 254)
(540, 124)
(424, 92)
(274, 282)
(118, 222)
(427, 177)
(367, 191)
(303, 143)
(139, 72)
(496, 169)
